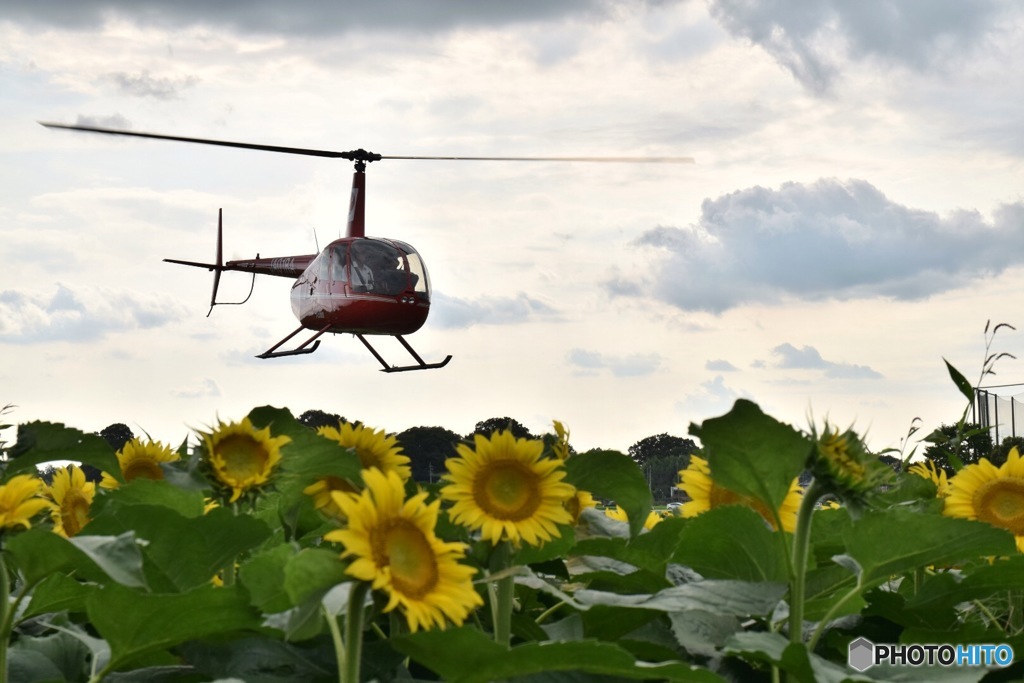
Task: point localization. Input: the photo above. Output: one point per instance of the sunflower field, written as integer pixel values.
(264, 551)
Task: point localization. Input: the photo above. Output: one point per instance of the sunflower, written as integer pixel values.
(506, 490)
(20, 501)
(73, 496)
(933, 473)
(991, 494)
(618, 513)
(374, 447)
(706, 495)
(240, 457)
(842, 464)
(140, 460)
(393, 546)
(561, 447)
(322, 491)
(580, 501)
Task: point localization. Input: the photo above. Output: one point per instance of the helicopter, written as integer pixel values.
(356, 285)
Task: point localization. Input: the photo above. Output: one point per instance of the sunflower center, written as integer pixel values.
(721, 496)
(508, 490)
(1000, 502)
(142, 468)
(404, 548)
(244, 457)
(74, 511)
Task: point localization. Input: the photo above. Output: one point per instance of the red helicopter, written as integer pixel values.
(357, 284)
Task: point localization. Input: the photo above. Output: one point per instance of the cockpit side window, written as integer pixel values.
(339, 254)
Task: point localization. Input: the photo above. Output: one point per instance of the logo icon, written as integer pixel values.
(861, 655)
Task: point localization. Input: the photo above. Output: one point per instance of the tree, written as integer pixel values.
(315, 419)
(508, 424)
(117, 435)
(1002, 451)
(661, 446)
(663, 474)
(428, 448)
(975, 443)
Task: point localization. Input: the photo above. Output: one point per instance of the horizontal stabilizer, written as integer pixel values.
(196, 264)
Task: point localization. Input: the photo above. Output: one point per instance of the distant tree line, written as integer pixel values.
(660, 457)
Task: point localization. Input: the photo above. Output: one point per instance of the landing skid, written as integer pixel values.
(420, 364)
(305, 347)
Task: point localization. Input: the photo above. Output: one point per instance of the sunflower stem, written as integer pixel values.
(6, 614)
(502, 592)
(353, 645)
(339, 643)
(801, 546)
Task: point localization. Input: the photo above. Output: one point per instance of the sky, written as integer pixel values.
(853, 217)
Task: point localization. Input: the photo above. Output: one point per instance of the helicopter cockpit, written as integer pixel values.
(379, 266)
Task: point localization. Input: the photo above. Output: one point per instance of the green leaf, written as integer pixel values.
(41, 442)
(732, 542)
(56, 593)
(119, 556)
(263, 576)
(891, 542)
(791, 657)
(612, 475)
(753, 454)
(312, 572)
(135, 623)
(740, 598)
(183, 552)
(466, 655)
(944, 591)
(650, 551)
(960, 381)
(39, 552)
(56, 657)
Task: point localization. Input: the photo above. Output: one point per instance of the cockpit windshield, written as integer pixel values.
(387, 267)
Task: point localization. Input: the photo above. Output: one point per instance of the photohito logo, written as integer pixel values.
(863, 654)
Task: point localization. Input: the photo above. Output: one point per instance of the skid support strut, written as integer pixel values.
(420, 363)
(305, 347)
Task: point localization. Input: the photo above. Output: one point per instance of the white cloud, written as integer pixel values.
(720, 365)
(448, 312)
(809, 358)
(81, 315)
(632, 365)
(827, 239)
(206, 388)
(813, 40)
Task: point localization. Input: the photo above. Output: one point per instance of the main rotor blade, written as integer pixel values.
(611, 160)
(359, 154)
(204, 141)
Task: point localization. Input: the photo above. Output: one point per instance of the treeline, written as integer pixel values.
(660, 456)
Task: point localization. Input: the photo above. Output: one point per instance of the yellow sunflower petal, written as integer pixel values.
(73, 496)
(991, 494)
(240, 457)
(374, 447)
(393, 546)
(503, 488)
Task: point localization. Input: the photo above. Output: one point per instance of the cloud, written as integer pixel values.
(633, 365)
(813, 39)
(207, 388)
(828, 239)
(808, 358)
(448, 312)
(145, 85)
(319, 17)
(83, 315)
(711, 399)
(720, 366)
